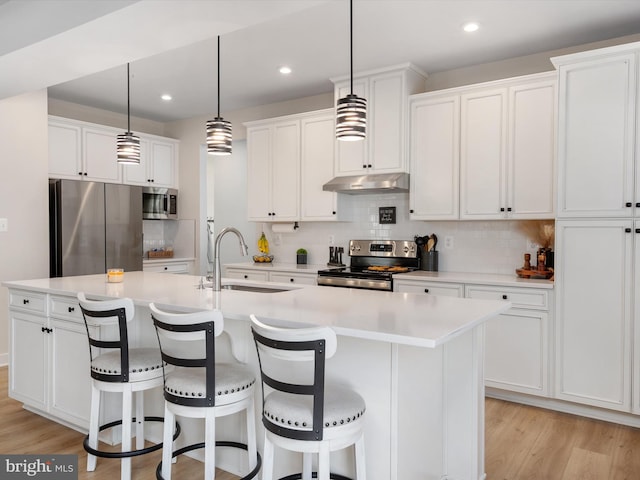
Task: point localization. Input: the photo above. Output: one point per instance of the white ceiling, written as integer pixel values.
(79, 48)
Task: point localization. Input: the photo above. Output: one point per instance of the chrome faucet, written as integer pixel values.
(244, 250)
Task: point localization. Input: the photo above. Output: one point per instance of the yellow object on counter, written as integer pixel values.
(115, 275)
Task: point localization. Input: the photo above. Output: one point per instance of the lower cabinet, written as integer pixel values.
(299, 278)
(429, 288)
(49, 356)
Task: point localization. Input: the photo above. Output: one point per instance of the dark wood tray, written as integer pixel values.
(534, 273)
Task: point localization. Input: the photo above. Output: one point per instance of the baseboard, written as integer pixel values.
(566, 407)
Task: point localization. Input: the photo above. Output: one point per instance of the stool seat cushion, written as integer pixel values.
(191, 382)
(143, 363)
(341, 406)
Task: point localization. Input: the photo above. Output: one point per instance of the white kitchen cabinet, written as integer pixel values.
(246, 274)
(594, 268)
(384, 148)
(434, 153)
(429, 288)
(294, 278)
(49, 356)
(636, 317)
(273, 152)
(167, 267)
(99, 155)
(507, 151)
(158, 164)
(317, 152)
(517, 341)
(65, 150)
(598, 139)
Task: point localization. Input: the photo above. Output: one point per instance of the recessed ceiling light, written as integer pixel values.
(470, 27)
(166, 97)
(285, 70)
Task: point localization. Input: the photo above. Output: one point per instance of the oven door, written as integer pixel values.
(350, 280)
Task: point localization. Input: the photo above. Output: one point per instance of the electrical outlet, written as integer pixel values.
(4, 224)
(332, 240)
(448, 242)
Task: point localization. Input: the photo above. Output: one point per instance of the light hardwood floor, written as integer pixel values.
(522, 443)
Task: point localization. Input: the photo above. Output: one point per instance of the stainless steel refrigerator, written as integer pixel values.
(94, 226)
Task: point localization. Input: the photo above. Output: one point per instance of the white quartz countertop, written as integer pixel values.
(475, 278)
(404, 318)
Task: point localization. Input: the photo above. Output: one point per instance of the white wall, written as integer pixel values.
(24, 248)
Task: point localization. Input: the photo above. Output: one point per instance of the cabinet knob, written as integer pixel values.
(166, 268)
(426, 290)
(508, 209)
(364, 166)
(246, 276)
(25, 301)
(333, 213)
(71, 309)
(502, 209)
(505, 297)
(628, 204)
(79, 173)
(42, 329)
(411, 211)
(637, 230)
(638, 205)
(291, 280)
(85, 174)
(369, 166)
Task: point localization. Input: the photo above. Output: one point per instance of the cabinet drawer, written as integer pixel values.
(33, 302)
(293, 278)
(519, 297)
(431, 288)
(247, 275)
(65, 307)
(168, 268)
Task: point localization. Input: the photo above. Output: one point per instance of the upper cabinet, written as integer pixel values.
(484, 151)
(598, 143)
(85, 151)
(157, 164)
(384, 148)
(273, 163)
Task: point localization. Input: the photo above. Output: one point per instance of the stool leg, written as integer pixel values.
(140, 420)
(323, 462)
(125, 469)
(251, 435)
(167, 442)
(210, 444)
(307, 466)
(94, 425)
(267, 459)
(360, 459)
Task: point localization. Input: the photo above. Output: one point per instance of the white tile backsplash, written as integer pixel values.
(479, 246)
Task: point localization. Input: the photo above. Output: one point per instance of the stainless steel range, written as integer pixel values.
(373, 264)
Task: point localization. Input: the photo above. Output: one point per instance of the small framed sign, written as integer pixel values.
(387, 214)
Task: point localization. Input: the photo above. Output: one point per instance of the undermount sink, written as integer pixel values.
(251, 288)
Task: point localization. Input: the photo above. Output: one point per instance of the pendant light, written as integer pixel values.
(351, 111)
(128, 144)
(218, 129)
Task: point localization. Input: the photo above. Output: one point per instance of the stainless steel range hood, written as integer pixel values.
(373, 183)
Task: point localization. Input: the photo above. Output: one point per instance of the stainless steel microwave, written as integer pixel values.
(159, 203)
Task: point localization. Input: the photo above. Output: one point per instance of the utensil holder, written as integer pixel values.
(429, 261)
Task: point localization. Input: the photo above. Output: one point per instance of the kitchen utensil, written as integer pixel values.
(430, 243)
(435, 241)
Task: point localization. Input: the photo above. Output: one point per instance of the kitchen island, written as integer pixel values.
(417, 360)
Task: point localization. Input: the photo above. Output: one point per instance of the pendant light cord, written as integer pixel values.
(351, 41)
(128, 102)
(218, 76)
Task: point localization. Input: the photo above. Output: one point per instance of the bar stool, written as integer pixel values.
(198, 387)
(305, 414)
(117, 368)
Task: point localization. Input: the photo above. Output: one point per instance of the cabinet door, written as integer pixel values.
(531, 164)
(318, 138)
(516, 352)
(163, 164)
(482, 154)
(386, 121)
(293, 278)
(259, 179)
(29, 377)
(435, 159)
(65, 151)
(593, 314)
(285, 171)
(247, 274)
(70, 380)
(596, 137)
(169, 267)
(636, 316)
(429, 288)
(352, 157)
(99, 152)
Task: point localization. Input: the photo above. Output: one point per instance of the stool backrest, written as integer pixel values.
(118, 312)
(188, 340)
(309, 347)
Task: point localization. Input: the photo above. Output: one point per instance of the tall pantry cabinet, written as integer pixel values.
(598, 229)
